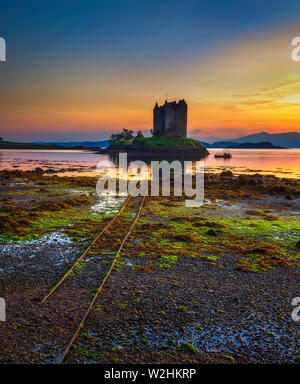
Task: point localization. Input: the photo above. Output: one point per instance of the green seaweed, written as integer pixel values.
(187, 347)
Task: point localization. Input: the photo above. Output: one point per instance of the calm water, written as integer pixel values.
(283, 163)
(78, 162)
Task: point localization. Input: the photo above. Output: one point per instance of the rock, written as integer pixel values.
(39, 171)
(212, 224)
(211, 232)
(226, 174)
(7, 224)
(243, 179)
(279, 189)
(256, 180)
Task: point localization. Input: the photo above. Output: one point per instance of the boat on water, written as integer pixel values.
(224, 155)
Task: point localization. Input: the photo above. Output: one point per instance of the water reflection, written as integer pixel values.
(148, 158)
(282, 163)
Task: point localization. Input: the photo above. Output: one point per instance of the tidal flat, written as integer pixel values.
(212, 284)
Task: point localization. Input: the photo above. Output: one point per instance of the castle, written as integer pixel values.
(170, 119)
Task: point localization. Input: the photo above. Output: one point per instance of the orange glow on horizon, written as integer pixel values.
(248, 86)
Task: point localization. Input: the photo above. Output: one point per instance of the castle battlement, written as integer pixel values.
(170, 119)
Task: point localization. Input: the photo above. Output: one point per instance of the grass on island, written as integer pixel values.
(158, 142)
(167, 142)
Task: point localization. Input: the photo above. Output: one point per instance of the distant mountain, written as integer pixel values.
(288, 140)
(222, 144)
(85, 144)
(204, 144)
(246, 145)
(262, 145)
(209, 139)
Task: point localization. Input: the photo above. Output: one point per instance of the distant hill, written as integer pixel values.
(235, 145)
(221, 144)
(75, 144)
(12, 145)
(288, 140)
(262, 145)
(204, 144)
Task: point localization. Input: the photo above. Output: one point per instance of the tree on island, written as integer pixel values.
(118, 138)
(154, 133)
(126, 137)
(139, 134)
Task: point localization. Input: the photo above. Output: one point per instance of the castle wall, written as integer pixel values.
(170, 116)
(159, 120)
(170, 119)
(182, 118)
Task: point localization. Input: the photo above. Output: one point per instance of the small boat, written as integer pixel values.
(225, 155)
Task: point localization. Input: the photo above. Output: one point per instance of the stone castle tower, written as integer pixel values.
(170, 119)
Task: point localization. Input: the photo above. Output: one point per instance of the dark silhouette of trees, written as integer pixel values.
(139, 134)
(125, 136)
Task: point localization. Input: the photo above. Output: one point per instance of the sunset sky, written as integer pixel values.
(80, 70)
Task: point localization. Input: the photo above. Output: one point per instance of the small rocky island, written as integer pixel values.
(169, 135)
